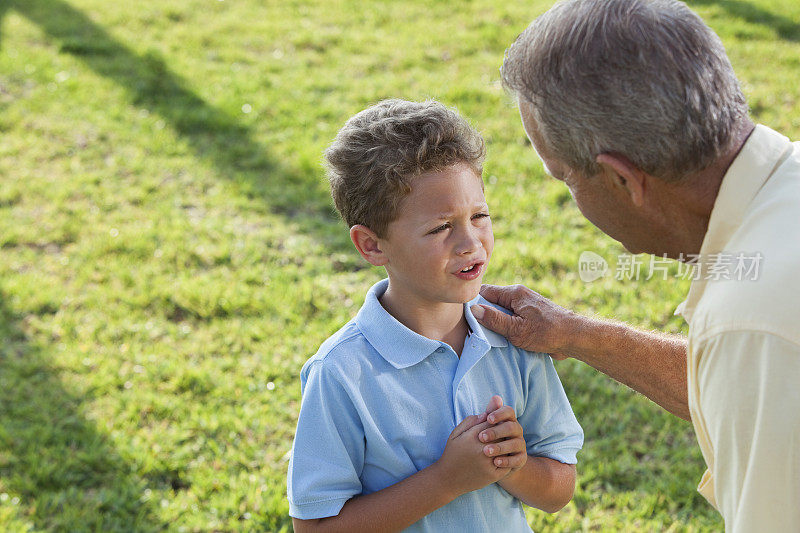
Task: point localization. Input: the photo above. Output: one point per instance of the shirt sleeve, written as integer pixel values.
(548, 423)
(749, 402)
(328, 450)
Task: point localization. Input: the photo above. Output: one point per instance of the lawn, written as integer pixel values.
(169, 256)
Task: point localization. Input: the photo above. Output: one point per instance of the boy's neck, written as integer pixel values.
(435, 320)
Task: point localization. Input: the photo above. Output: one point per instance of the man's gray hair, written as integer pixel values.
(647, 79)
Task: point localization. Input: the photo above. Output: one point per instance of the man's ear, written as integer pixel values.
(368, 245)
(623, 173)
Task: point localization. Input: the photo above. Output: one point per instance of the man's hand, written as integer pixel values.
(463, 463)
(537, 325)
(503, 439)
(653, 364)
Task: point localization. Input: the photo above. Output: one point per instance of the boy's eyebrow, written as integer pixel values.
(449, 214)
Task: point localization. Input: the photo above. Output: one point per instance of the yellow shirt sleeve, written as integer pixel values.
(749, 398)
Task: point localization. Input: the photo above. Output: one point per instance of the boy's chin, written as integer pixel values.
(471, 295)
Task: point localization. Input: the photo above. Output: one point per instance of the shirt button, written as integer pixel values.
(439, 350)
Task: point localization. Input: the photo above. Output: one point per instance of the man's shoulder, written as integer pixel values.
(761, 295)
(752, 282)
(760, 286)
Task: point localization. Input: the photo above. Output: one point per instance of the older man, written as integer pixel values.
(633, 104)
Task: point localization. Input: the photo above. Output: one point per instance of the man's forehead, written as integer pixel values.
(544, 163)
(531, 129)
(553, 166)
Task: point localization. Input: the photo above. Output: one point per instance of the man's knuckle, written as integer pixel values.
(528, 292)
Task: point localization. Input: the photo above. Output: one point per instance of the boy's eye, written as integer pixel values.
(480, 215)
(439, 229)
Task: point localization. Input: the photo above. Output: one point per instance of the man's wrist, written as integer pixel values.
(576, 335)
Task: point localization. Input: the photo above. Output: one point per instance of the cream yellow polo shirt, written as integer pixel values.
(743, 310)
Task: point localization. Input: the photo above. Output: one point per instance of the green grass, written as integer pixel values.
(168, 261)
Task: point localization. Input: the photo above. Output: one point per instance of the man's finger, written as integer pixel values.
(492, 319)
(500, 295)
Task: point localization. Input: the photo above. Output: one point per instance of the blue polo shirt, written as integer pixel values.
(379, 402)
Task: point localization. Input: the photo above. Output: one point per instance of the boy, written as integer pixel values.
(389, 434)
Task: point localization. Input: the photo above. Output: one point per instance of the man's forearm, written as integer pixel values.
(542, 482)
(651, 363)
(391, 509)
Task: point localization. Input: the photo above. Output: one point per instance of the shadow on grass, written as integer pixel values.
(787, 28)
(63, 469)
(213, 134)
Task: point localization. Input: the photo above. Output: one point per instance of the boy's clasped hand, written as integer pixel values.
(483, 449)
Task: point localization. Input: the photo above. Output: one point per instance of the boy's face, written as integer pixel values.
(443, 228)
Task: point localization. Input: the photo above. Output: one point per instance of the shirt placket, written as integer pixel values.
(463, 396)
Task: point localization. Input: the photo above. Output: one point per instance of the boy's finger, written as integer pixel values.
(506, 412)
(477, 428)
(510, 461)
(495, 403)
(505, 430)
(464, 425)
(504, 447)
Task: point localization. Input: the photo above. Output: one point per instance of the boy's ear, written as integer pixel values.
(368, 245)
(623, 173)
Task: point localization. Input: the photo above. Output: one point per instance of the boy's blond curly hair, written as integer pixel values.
(379, 151)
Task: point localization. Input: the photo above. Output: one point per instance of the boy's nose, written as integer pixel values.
(469, 243)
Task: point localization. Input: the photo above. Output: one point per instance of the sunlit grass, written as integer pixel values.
(169, 257)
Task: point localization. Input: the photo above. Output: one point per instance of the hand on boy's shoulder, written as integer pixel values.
(481, 300)
(526, 318)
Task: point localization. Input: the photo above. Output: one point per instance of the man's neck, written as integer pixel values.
(695, 196)
(435, 320)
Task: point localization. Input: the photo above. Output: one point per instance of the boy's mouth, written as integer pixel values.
(470, 272)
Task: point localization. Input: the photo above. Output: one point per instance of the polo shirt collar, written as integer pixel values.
(495, 340)
(760, 155)
(396, 343)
